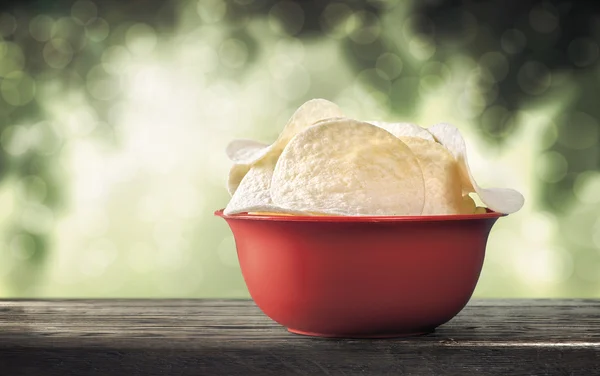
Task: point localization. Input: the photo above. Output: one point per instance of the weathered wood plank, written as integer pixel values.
(212, 337)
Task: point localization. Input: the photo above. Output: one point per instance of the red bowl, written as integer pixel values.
(361, 277)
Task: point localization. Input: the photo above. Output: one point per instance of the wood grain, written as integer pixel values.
(216, 337)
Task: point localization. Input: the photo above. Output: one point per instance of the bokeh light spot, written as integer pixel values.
(15, 140)
(233, 53)
(11, 58)
(80, 121)
(471, 104)
(494, 118)
(583, 52)
(587, 267)
(405, 92)
(8, 24)
(94, 222)
(429, 84)
(418, 26)
(189, 203)
(587, 187)
(465, 28)
(37, 218)
(227, 252)
(539, 227)
(140, 39)
(513, 41)
(17, 88)
(372, 82)
(292, 48)
(496, 64)
(203, 55)
(99, 255)
(168, 235)
(551, 167)
(549, 135)
(211, 11)
(383, 4)
(66, 28)
(422, 48)
(436, 68)
(100, 84)
(579, 131)
(480, 80)
(32, 189)
(388, 66)
(22, 246)
(335, 18)
(295, 84)
(115, 59)
(83, 11)
(97, 29)
(41, 27)
(548, 266)
(138, 260)
(44, 138)
(364, 27)
(543, 18)
(286, 17)
(281, 66)
(596, 240)
(57, 53)
(534, 78)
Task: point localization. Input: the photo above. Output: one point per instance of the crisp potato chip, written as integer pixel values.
(468, 205)
(308, 114)
(244, 153)
(502, 200)
(443, 194)
(480, 210)
(250, 152)
(348, 167)
(252, 194)
(404, 130)
(242, 149)
(236, 174)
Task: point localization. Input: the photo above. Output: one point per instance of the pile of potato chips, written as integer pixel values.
(323, 163)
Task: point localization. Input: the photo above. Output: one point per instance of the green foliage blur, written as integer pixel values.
(114, 116)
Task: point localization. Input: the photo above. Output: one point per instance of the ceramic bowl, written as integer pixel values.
(361, 277)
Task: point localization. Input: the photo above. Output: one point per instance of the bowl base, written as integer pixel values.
(360, 336)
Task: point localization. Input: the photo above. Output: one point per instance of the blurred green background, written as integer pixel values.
(114, 116)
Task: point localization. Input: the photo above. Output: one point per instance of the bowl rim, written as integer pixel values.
(490, 214)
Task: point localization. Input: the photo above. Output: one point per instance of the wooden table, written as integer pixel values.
(217, 337)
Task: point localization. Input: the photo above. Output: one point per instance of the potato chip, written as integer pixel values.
(502, 200)
(443, 194)
(308, 114)
(253, 194)
(242, 149)
(348, 167)
(236, 174)
(244, 153)
(404, 130)
(468, 205)
(249, 152)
